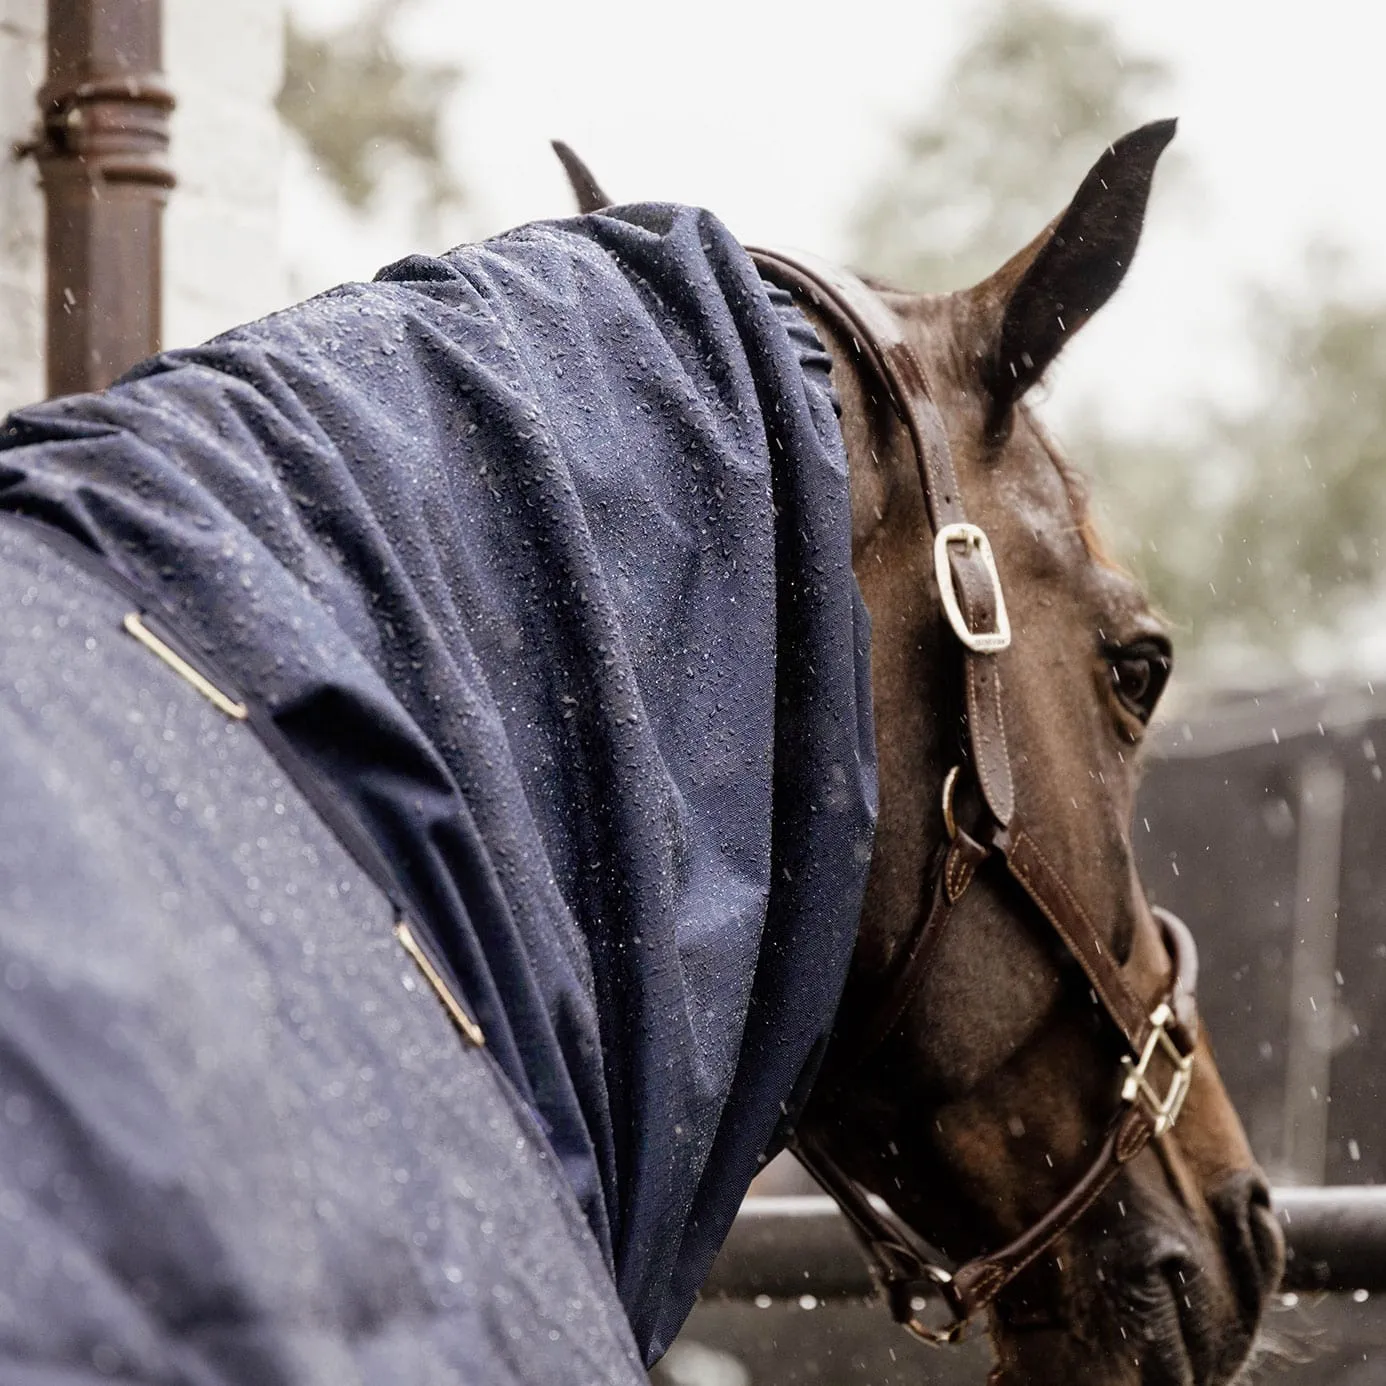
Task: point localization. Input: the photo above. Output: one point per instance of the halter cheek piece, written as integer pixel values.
(1161, 1037)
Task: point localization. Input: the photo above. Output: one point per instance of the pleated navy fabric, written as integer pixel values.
(538, 554)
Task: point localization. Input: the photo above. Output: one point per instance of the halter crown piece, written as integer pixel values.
(1160, 1036)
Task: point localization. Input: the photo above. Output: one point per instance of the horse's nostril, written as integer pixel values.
(1251, 1236)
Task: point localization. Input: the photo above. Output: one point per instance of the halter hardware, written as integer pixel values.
(975, 540)
(1163, 1111)
(908, 1303)
(968, 579)
(950, 786)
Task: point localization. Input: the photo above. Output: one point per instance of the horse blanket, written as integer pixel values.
(532, 566)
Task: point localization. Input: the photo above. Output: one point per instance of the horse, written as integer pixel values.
(414, 939)
(969, 1084)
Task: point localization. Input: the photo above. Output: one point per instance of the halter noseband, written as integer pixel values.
(1161, 1037)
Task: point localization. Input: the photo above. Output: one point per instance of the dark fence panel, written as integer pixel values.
(1262, 821)
(1264, 824)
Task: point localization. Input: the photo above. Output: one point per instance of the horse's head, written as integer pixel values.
(988, 1093)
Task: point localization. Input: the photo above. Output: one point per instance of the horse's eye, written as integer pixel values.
(1139, 673)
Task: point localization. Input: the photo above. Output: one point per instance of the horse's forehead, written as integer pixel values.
(1032, 495)
(1038, 513)
(1030, 505)
(1023, 474)
(1048, 536)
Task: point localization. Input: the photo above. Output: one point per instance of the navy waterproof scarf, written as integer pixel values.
(539, 555)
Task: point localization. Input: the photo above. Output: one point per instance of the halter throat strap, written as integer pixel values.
(1161, 1037)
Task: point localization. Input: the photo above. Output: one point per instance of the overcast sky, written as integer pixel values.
(776, 117)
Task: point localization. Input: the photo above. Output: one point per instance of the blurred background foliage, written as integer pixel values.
(1253, 529)
(1257, 528)
(1001, 144)
(364, 108)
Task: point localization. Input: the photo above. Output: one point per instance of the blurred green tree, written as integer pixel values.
(362, 106)
(1272, 518)
(1257, 528)
(1032, 95)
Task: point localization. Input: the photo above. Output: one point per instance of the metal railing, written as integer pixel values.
(786, 1247)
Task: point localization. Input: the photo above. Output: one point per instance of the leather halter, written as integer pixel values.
(1163, 1033)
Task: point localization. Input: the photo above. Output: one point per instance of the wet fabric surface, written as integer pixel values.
(538, 555)
(240, 1140)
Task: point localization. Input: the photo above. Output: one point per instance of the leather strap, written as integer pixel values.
(978, 1282)
(1043, 884)
(900, 1261)
(951, 876)
(875, 331)
(1047, 889)
(906, 1271)
(907, 1274)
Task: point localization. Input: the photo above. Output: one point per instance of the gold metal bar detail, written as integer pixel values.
(134, 625)
(469, 1028)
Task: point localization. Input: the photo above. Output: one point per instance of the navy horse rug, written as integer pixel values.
(438, 789)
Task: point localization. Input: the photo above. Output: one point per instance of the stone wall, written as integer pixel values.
(21, 212)
(222, 262)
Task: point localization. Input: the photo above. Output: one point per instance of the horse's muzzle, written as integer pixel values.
(1252, 1241)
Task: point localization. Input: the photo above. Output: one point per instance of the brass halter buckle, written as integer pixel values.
(975, 540)
(1163, 1110)
(907, 1303)
(950, 785)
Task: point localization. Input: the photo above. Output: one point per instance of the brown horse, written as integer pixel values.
(975, 1078)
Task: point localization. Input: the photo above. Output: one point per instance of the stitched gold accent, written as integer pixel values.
(469, 1028)
(1002, 792)
(134, 625)
(1133, 1138)
(1005, 744)
(957, 875)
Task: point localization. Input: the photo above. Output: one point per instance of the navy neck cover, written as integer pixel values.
(540, 554)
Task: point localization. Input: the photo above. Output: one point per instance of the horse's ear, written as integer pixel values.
(589, 194)
(1037, 300)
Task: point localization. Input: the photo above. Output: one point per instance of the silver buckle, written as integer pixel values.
(984, 641)
(945, 1331)
(1166, 1109)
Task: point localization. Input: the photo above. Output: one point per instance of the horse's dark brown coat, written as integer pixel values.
(987, 1102)
(980, 1109)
